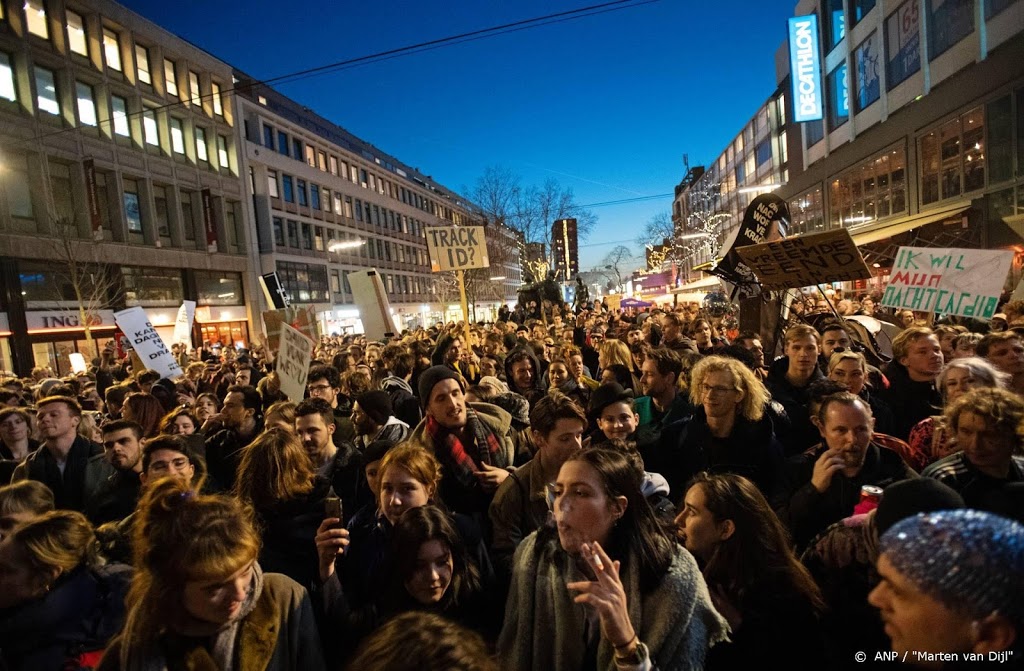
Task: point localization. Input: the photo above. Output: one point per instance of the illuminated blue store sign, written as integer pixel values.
(805, 68)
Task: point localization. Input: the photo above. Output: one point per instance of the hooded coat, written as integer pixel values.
(534, 392)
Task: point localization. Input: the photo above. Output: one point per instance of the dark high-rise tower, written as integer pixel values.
(566, 249)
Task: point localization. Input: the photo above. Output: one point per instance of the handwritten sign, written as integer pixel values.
(292, 362)
(301, 318)
(147, 343)
(964, 282)
(183, 323)
(456, 248)
(806, 260)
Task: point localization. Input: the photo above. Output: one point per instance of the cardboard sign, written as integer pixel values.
(806, 260)
(456, 248)
(77, 362)
(964, 282)
(372, 301)
(147, 343)
(183, 324)
(302, 319)
(292, 362)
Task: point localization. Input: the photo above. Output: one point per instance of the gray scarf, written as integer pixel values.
(224, 636)
(544, 629)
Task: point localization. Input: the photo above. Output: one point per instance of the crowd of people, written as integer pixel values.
(602, 490)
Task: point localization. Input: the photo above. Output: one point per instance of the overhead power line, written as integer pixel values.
(482, 33)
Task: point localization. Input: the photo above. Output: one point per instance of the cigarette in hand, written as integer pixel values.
(598, 563)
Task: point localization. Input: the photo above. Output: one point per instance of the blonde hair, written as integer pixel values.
(839, 357)
(180, 535)
(59, 539)
(616, 351)
(801, 331)
(25, 496)
(755, 395)
(283, 410)
(274, 468)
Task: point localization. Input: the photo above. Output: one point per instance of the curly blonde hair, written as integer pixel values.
(755, 395)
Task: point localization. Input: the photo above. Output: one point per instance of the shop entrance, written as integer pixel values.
(225, 334)
(55, 355)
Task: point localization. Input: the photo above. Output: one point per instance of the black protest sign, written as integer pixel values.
(766, 219)
(807, 260)
(456, 248)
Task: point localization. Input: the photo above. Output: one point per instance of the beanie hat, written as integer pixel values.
(376, 405)
(970, 561)
(431, 376)
(376, 450)
(902, 499)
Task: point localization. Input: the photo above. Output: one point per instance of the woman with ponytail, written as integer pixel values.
(59, 605)
(199, 599)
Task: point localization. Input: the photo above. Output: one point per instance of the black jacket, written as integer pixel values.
(660, 443)
(347, 474)
(537, 390)
(82, 612)
(908, 401)
(223, 454)
(288, 529)
(116, 499)
(85, 471)
(809, 512)
(802, 433)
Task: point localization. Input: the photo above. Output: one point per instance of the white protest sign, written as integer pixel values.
(77, 362)
(146, 342)
(456, 248)
(292, 362)
(183, 324)
(964, 282)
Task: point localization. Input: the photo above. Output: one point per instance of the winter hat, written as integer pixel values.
(969, 560)
(515, 405)
(376, 405)
(605, 395)
(376, 450)
(494, 383)
(431, 376)
(902, 499)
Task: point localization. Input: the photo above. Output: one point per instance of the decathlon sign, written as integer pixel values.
(805, 68)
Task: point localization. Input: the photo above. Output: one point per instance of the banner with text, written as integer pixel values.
(147, 343)
(302, 318)
(183, 324)
(806, 260)
(456, 248)
(292, 362)
(964, 282)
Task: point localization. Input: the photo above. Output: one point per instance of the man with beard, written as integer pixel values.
(324, 382)
(341, 464)
(826, 480)
(374, 420)
(472, 441)
(118, 496)
(751, 342)
(523, 374)
(242, 418)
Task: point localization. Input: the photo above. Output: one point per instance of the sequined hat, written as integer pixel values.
(971, 561)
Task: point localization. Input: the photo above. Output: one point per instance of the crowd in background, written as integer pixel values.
(607, 489)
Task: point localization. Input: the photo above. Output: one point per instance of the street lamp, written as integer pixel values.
(342, 245)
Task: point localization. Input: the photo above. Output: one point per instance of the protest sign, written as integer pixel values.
(147, 343)
(292, 362)
(806, 260)
(456, 248)
(372, 301)
(77, 362)
(964, 282)
(303, 319)
(183, 324)
(766, 219)
(274, 291)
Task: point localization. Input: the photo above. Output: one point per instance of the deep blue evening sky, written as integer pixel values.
(606, 104)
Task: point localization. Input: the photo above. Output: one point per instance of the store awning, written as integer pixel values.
(703, 283)
(887, 229)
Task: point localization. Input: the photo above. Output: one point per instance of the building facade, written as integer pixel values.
(565, 245)
(324, 204)
(922, 141)
(121, 182)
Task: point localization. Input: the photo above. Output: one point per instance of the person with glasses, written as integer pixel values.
(324, 382)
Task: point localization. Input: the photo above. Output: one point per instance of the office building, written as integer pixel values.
(565, 248)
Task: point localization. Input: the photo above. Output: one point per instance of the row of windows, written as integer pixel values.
(302, 235)
(115, 117)
(948, 21)
(294, 190)
(294, 147)
(113, 54)
(395, 285)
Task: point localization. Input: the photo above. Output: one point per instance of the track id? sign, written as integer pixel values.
(456, 248)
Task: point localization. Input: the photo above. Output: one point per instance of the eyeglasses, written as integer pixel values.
(318, 388)
(708, 390)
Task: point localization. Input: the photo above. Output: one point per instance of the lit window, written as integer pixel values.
(272, 184)
(86, 104)
(149, 128)
(193, 88)
(218, 105)
(111, 49)
(77, 41)
(177, 136)
(119, 113)
(35, 17)
(310, 156)
(222, 152)
(46, 91)
(7, 90)
(201, 145)
(334, 165)
(170, 78)
(142, 59)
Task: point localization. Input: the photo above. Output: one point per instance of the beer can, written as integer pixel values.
(870, 493)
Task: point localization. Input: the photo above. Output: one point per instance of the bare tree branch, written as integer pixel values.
(617, 260)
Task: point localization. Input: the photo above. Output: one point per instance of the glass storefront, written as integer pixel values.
(225, 334)
(56, 355)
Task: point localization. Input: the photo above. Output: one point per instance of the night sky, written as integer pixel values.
(606, 104)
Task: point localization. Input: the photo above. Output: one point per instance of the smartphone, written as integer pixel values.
(332, 506)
